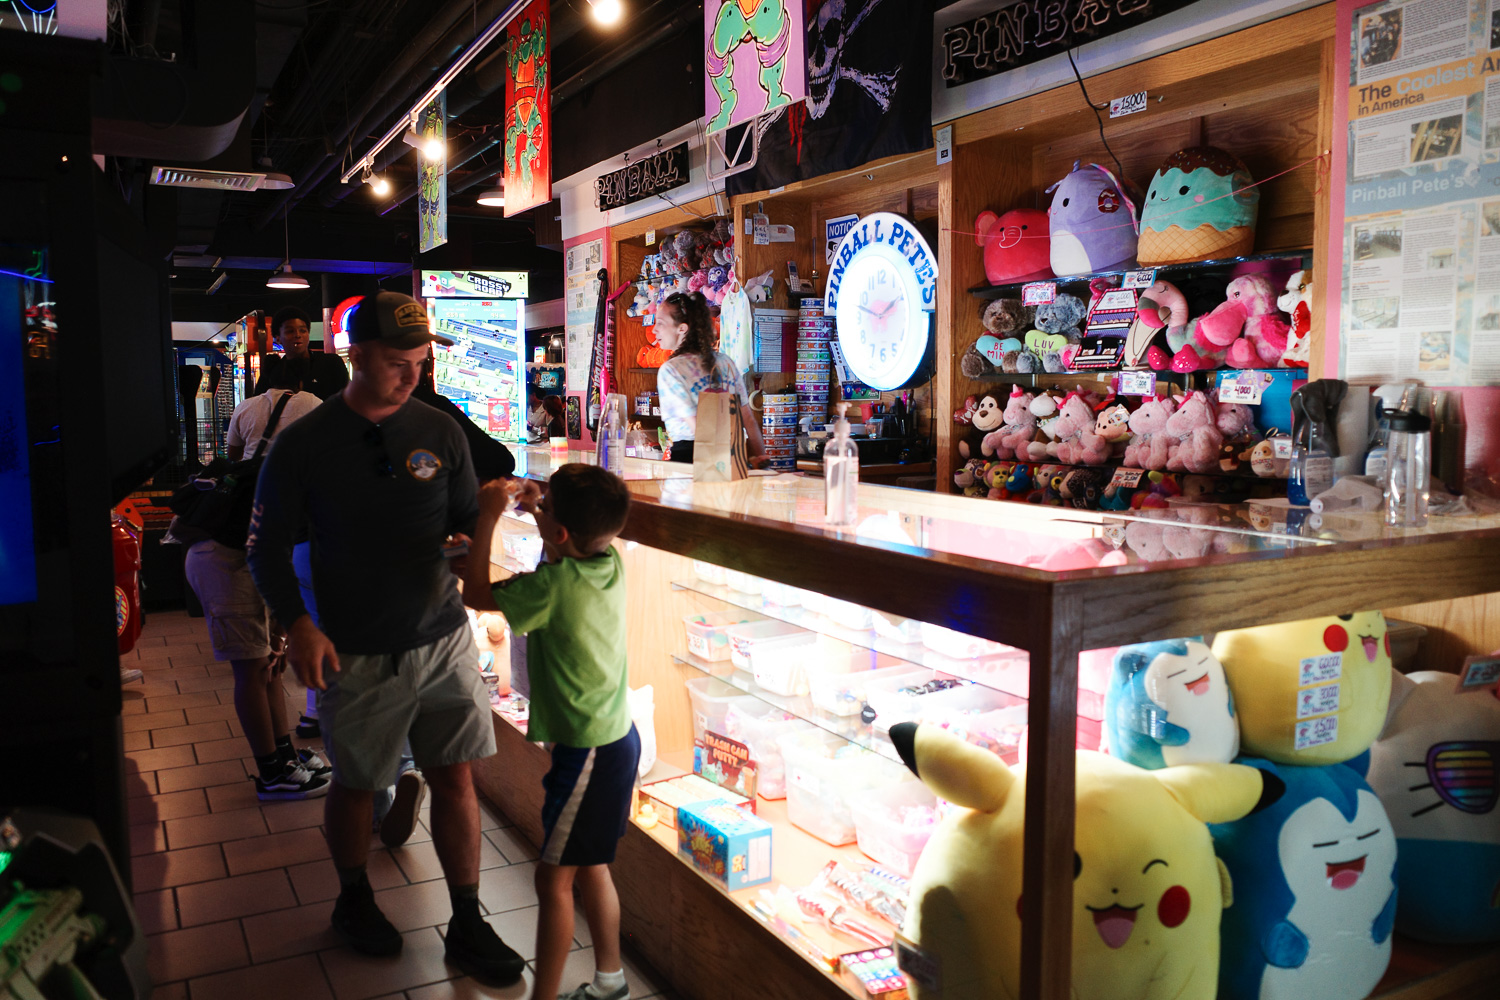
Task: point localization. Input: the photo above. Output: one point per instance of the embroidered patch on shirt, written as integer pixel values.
(423, 464)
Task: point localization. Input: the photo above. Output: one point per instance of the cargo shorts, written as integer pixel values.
(239, 626)
(432, 696)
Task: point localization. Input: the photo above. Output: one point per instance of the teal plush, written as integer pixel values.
(1200, 206)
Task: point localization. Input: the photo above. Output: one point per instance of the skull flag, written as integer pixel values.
(869, 93)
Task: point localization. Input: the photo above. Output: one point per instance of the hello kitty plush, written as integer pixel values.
(1017, 430)
(1148, 425)
(1076, 443)
(1193, 438)
(1297, 303)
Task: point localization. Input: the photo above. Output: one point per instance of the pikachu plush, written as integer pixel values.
(1148, 892)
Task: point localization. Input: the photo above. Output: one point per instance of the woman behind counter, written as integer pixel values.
(685, 327)
(326, 372)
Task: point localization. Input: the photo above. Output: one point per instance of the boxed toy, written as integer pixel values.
(664, 798)
(725, 843)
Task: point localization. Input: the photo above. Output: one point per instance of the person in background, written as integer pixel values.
(685, 327)
(556, 422)
(573, 606)
(239, 625)
(536, 417)
(380, 483)
(492, 460)
(325, 373)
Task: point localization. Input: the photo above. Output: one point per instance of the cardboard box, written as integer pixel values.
(666, 797)
(725, 843)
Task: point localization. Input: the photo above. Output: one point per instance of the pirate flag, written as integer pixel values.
(869, 94)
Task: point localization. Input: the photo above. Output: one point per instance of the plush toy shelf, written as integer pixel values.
(1172, 272)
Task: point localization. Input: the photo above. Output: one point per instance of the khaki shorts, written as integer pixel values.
(432, 695)
(239, 626)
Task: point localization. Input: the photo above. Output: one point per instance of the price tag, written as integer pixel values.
(1139, 279)
(1117, 298)
(1243, 387)
(1038, 293)
(1128, 105)
(943, 139)
(1281, 446)
(762, 235)
(1315, 732)
(1321, 669)
(1137, 383)
(651, 237)
(1479, 672)
(1317, 701)
(1129, 478)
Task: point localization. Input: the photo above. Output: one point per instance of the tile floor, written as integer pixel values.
(236, 894)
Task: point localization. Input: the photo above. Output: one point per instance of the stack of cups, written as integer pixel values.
(813, 362)
(779, 428)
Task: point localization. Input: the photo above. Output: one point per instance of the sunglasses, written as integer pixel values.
(1463, 774)
(383, 467)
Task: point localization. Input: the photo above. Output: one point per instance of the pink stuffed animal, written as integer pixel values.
(1017, 431)
(1076, 443)
(1234, 420)
(1193, 438)
(1211, 340)
(1266, 331)
(1148, 424)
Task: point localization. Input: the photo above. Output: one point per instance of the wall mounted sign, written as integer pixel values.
(645, 178)
(882, 289)
(476, 284)
(432, 177)
(528, 111)
(752, 50)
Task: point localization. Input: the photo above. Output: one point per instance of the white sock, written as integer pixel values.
(606, 983)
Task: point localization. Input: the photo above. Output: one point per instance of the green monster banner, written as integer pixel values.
(432, 190)
(753, 51)
(528, 111)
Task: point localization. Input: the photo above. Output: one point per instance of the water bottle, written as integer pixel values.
(610, 448)
(1408, 462)
(841, 476)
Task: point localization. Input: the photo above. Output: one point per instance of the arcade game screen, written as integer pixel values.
(483, 372)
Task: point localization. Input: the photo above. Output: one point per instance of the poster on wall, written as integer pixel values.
(1421, 230)
(753, 53)
(432, 188)
(528, 111)
(869, 93)
(581, 263)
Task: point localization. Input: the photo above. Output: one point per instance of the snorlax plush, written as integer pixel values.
(1309, 692)
(1436, 768)
(1200, 206)
(1167, 704)
(1147, 889)
(1314, 872)
(1094, 223)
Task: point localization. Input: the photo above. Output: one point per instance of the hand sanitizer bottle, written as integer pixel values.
(841, 475)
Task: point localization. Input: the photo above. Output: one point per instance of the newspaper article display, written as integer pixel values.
(1421, 268)
(581, 265)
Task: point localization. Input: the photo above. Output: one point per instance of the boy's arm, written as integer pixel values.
(494, 498)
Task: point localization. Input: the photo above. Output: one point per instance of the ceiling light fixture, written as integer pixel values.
(607, 11)
(379, 184)
(429, 146)
(494, 197)
(285, 277)
(277, 182)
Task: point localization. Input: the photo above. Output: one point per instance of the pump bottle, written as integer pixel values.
(841, 475)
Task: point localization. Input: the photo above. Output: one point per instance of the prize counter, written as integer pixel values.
(1006, 616)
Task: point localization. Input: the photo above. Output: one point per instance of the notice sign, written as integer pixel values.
(643, 179)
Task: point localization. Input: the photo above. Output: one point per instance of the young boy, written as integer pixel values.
(573, 607)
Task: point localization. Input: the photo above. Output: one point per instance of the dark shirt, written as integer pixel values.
(379, 576)
(329, 375)
(491, 458)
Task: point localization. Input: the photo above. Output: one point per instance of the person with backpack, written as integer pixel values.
(239, 625)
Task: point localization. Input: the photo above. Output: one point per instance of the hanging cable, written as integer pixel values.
(1096, 108)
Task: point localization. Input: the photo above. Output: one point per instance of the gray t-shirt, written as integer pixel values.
(379, 576)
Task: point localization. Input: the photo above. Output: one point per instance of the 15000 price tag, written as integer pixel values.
(1128, 105)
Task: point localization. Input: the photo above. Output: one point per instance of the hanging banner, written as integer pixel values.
(869, 94)
(432, 186)
(528, 111)
(1420, 239)
(753, 53)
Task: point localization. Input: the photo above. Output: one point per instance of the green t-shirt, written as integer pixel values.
(573, 613)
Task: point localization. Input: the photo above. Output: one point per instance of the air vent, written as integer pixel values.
(214, 180)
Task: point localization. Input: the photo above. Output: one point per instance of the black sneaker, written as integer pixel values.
(314, 762)
(474, 947)
(308, 729)
(294, 782)
(358, 920)
(401, 819)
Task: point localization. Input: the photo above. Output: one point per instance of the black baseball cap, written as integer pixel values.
(393, 319)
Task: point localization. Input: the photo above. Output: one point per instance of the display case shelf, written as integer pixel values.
(1170, 272)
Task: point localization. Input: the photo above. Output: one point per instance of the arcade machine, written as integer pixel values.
(484, 372)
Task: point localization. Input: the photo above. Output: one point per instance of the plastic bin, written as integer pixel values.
(742, 582)
(776, 653)
(709, 572)
(844, 694)
(760, 727)
(892, 825)
(852, 616)
(708, 635)
(711, 703)
(824, 775)
(896, 628)
(780, 594)
(892, 704)
(957, 644)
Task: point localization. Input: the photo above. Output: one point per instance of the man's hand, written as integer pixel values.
(458, 564)
(309, 652)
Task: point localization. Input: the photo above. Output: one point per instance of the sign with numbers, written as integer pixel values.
(882, 290)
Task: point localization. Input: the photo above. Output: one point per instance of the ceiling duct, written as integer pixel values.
(212, 180)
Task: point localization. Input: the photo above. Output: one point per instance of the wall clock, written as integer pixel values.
(882, 290)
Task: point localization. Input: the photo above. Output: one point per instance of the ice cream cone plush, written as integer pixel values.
(1200, 206)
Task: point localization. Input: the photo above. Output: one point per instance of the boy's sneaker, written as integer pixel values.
(308, 728)
(401, 819)
(315, 763)
(358, 920)
(294, 782)
(585, 993)
(473, 946)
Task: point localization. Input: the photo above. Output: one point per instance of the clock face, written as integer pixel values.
(882, 327)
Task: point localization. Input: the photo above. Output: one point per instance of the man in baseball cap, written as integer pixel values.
(378, 481)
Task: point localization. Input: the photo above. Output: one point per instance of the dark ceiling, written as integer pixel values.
(332, 75)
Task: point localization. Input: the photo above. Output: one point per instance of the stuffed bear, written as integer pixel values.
(1092, 222)
(1148, 891)
(1016, 246)
(1193, 438)
(1200, 206)
(987, 417)
(1296, 302)
(1314, 874)
(1076, 443)
(1168, 703)
(1007, 317)
(1148, 427)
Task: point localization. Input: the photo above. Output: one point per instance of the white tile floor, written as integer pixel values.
(236, 893)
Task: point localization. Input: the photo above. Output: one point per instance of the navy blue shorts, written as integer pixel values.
(587, 804)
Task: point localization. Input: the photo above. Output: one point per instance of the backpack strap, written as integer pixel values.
(265, 437)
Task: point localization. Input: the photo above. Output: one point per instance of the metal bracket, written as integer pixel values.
(731, 165)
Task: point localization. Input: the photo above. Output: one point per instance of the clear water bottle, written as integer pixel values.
(841, 475)
(610, 447)
(1408, 463)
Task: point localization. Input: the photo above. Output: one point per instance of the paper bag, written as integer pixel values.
(719, 454)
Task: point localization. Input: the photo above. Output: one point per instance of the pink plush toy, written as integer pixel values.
(1148, 425)
(1244, 330)
(1234, 420)
(1017, 431)
(1265, 340)
(1161, 307)
(1192, 436)
(1113, 423)
(1076, 443)
(1016, 245)
(1044, 410)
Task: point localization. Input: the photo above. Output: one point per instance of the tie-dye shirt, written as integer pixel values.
(682, 379)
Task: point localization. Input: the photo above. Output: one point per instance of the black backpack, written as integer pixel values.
(217, 502)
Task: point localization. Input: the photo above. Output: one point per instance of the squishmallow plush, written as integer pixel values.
(1094, 223)
(1016, 245)
(1147, 890)
(1199, 207)
(1167, 704)
(1436, 768)
(1309, 692)
(1314, 872)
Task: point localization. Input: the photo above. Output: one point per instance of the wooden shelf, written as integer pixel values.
(643, 371)
(1170, 272)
